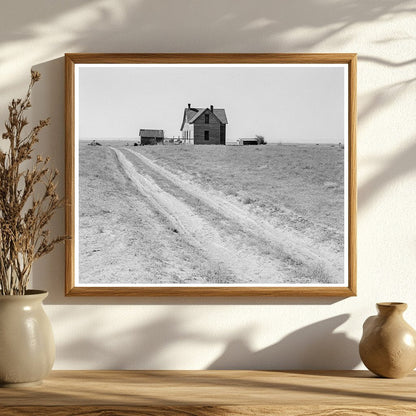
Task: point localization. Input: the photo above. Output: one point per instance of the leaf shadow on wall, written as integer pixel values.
(394, 168)
(315, 346)
(198, 26)
(152, 345)
(114, 347)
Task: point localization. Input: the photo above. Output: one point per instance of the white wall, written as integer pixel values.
(192, 333)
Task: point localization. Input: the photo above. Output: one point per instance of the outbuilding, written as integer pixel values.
(148, 136)
(248, 141)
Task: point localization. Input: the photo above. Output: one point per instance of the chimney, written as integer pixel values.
(212, 108)
(189, 105)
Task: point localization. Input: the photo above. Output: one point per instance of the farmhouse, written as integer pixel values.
(147, 136)
(204, 125)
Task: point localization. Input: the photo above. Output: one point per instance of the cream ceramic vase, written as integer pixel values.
(388, 344)
(27, 347)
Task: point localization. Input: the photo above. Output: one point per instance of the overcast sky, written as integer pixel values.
(288, 104)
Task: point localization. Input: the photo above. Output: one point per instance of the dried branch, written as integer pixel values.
(23, 217)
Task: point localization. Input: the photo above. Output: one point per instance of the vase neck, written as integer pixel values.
(390, 308)
(35, 296)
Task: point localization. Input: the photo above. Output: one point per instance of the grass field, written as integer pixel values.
(206, 214)
(300, 185)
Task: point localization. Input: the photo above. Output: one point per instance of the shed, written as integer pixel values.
(149, 136)
(248, 141)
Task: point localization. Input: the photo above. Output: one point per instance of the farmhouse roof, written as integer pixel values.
(193, 113)
(151, 133)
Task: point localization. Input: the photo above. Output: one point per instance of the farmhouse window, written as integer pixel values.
(206, 135)
(206, 118)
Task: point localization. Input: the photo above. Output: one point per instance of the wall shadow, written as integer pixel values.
(382, 98)
(396, 167)
(150, 23)
(313, 347)
(143, 346)
(189, 26)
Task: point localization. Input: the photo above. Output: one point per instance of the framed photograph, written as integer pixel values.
(211, 174)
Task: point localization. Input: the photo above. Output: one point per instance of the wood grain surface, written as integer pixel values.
(202, 393)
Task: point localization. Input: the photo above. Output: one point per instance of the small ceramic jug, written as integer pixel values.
(388, 344)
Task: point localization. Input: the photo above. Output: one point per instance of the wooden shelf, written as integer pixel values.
(202, 393)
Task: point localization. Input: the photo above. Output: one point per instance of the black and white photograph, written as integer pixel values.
(211, 175)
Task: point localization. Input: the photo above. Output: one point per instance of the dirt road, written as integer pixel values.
(243, 247)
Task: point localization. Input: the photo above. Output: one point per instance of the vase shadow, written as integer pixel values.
(313, 347)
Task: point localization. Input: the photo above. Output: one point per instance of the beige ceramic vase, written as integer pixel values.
(388, 344)
(27, 347)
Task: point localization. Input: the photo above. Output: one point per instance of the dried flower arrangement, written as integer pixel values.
(28, 199)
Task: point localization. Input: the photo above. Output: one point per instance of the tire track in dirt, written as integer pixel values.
(299, 248)
(245, 265)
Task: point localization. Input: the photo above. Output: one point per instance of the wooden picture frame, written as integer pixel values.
(78, 101)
